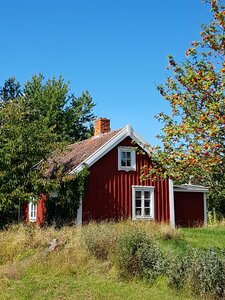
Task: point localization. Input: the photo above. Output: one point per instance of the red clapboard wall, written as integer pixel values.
(109, 192)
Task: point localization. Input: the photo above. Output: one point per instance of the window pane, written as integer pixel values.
(123, 154)
(147, 195)
(35, 210)
(138, 211)
(138, 203)
(128, 163)
(123, 163)
(138, 194)
(128, 155)
(147, 212)
(147, 203)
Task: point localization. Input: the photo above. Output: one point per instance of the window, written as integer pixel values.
(142, 202)
(126, 159)
(32, 211)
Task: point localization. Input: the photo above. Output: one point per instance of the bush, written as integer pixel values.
(99, 238)
(176, 271)
(137, 255)
(206, 273)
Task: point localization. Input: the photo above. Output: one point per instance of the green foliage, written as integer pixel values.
(137, 255)
(71, 117)
(216, 195)
(206, 273)
(63, 209)
(38, 120)
(177, 270)
(212, 218)
(22, 145)
(10, 90)
(202, 270)
(193, 134)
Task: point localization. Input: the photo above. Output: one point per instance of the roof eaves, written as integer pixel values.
(138, 139)
(190, 188)
(110, 144)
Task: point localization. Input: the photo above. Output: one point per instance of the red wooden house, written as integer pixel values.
(115, 190)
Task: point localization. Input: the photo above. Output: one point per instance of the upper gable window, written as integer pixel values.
(126, 159)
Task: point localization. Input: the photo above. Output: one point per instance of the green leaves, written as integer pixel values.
(193, 135)
(35, 122)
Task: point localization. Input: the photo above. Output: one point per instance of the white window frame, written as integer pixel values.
(142, 189)
(132, 151)
(32, 211)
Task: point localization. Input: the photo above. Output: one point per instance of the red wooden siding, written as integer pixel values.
(25, 212)
(41, 210)
(109, 192)
(189, 209)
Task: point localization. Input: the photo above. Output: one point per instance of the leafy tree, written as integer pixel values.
(193, 136)
(35, 124)
(24, 142)
(71, 117)
(10, 90)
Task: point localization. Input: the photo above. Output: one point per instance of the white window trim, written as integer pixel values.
(133, 159)
(31, 218)
(152, 206)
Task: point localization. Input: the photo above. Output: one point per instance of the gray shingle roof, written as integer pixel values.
(75, 154)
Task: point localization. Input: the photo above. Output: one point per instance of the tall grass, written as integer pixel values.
(113, 252)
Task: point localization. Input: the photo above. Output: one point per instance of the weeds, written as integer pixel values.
(206, 273)
(100, 239)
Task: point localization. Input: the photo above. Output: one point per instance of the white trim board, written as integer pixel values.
(205, 209)
(171, 202)
(190, 191)
(190, 188)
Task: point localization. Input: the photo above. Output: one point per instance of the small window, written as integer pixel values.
(32, 211)
(143, 202)
(126, 159)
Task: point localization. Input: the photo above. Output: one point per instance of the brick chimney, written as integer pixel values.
(102, 125)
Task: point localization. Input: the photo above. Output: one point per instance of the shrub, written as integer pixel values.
(206, 273)
(137, 255)
(100, 239)
(176, 270)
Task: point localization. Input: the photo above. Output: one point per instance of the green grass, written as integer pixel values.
(46, 285)
(71, 272)
(203, 238)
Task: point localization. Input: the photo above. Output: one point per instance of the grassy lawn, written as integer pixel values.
(203, 238)
(94, 286)
(27, 271)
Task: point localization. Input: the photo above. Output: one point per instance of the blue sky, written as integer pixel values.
(115, 49)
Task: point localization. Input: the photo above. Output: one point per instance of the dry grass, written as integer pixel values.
(24, 247)
(26, 268)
